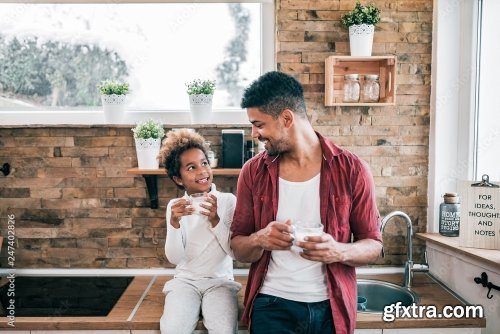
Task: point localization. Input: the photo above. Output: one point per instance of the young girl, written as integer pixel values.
(197, 243)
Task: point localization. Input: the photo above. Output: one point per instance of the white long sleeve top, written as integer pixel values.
(197, 249)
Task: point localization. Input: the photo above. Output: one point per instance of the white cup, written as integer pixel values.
(196, 199)
(306, 229)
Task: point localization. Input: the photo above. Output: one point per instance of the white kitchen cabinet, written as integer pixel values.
(457, 270)
(367, 331)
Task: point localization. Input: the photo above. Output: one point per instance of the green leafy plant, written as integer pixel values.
(109, 87)
(361, 14)
(198, 86)
(149, 129)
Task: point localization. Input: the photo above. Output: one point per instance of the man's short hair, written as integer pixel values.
(274, 92)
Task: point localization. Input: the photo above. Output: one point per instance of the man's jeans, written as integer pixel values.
(275, 315)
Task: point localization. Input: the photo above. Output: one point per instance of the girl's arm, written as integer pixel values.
(175, 242)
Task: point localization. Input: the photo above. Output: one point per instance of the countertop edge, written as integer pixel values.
(489, 256)
(430, 293)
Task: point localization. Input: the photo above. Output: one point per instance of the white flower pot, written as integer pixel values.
(147, 153)
(361, 39)
(201, 108)
(114, 107)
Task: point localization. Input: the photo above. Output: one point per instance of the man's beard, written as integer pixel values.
(273, 152)
(276, 149)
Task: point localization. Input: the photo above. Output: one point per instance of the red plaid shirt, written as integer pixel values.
(347, 195)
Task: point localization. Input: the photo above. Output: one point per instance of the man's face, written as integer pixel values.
(271, 132)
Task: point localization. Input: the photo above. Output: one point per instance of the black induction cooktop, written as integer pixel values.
(62, 296)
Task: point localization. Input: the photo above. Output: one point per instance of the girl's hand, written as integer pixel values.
(210, 209)
(181, 207)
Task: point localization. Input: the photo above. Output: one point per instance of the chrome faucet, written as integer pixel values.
(409, 269)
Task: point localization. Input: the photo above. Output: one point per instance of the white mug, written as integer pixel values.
(196, 199)
(306, 229)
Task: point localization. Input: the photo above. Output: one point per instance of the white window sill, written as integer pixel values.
(95, 117)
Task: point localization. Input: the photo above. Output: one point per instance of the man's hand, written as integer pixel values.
(322, 248)
(181, 207)
(275, 236)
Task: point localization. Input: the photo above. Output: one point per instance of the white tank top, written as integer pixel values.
(289, 275)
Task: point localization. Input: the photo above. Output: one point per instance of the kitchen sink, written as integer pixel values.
(379, 294)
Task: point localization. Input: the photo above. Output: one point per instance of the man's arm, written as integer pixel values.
(246, 248)
(325, 249)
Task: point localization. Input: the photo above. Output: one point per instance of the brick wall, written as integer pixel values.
(75, 206)
(74, 203)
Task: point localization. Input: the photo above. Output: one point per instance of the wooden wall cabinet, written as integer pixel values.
(337, 66)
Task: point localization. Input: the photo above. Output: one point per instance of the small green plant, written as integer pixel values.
(109, 87)
(361, 14)
(149, 129)
(198, 86)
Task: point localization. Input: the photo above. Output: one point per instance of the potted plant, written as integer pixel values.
(200, 100)
(113, 95)
(148, 135)
(361, 22)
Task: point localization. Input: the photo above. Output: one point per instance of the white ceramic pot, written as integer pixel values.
(114, 107)
(201, 108)
(147, 153)
(361, 39)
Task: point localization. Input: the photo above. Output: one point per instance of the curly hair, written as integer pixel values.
(174, 145)
(273, 92)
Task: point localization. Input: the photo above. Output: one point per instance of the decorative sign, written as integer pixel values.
(480, 214)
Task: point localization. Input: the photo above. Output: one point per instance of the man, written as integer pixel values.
(309, 286)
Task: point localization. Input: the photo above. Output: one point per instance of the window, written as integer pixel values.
(488, 115)
(52, 55)
(464, 132)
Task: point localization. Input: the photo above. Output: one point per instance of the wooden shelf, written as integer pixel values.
(151, 178)
(337, 66)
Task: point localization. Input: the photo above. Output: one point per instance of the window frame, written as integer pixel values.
(454, 100)
(166, 116)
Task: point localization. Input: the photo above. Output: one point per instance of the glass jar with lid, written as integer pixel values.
(351, 88)
(371, 88)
